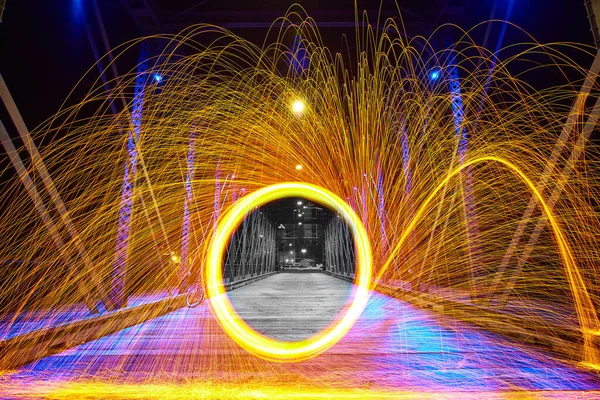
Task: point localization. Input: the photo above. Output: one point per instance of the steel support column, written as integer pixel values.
(185, 228)
(472, 225)
(118, 296)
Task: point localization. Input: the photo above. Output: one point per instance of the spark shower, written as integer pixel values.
(474, 187)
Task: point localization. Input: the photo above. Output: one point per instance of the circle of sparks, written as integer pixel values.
(224, 311)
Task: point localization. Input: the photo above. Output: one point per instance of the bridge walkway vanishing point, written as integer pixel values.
(395, 350)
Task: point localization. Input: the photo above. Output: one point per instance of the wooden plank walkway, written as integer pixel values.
(394, 351)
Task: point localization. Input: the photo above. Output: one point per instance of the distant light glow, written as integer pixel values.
(298, 167)
(77, 9)
(434, 74)
(158, 77)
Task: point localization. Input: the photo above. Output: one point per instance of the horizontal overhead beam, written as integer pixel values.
(141, 12)
(268, 19)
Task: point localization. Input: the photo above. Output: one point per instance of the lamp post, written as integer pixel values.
(303, 254)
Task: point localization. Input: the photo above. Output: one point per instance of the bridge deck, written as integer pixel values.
(15, 324)
(394, 350)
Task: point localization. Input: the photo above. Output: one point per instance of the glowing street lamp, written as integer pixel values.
(298, 107)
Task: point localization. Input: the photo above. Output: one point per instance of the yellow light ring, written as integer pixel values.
(224, 311)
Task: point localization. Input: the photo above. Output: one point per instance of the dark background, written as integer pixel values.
(44, 49)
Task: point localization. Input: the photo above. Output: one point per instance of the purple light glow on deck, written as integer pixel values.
(393, 346)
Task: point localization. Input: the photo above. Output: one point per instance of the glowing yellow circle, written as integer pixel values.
(298, 106)
(222, 308)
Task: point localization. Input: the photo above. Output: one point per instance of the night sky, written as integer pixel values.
(44, 50)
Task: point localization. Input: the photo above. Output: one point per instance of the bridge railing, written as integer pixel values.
(564, 341)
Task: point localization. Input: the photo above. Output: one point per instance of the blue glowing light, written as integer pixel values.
(77, 12)
(158, 77)
(299, 58)
(77, 7)
(434, 75)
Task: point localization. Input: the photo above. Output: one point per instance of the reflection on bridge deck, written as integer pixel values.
(394, 350)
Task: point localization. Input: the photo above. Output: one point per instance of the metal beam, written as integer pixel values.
(273, 19)
(38, 163)
(35, 197)
(551, 167)
(2, 6)
(141, 12)
(593, 12)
